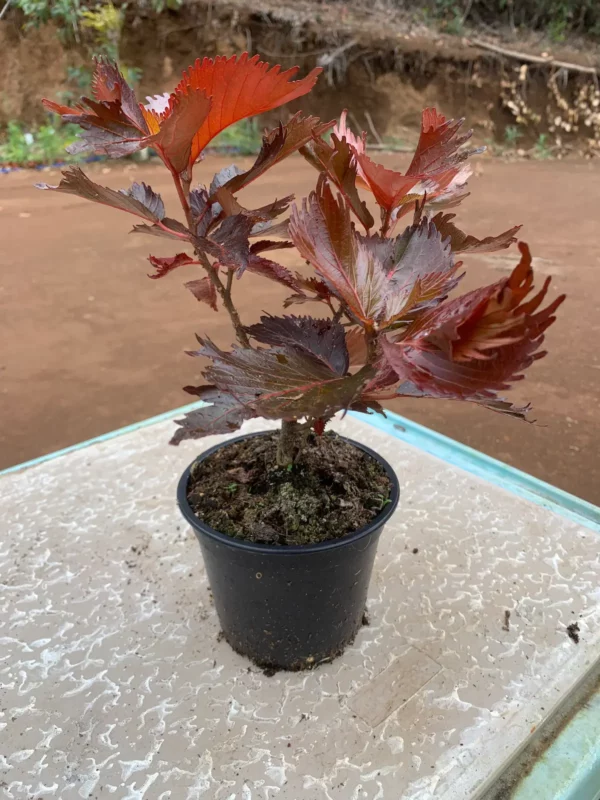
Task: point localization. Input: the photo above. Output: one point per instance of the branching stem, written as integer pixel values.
(183, 191)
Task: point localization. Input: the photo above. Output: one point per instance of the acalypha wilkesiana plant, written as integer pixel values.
(388, 329)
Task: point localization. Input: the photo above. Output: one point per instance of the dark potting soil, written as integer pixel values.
(333, 490)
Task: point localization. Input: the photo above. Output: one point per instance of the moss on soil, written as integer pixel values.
(333, 490)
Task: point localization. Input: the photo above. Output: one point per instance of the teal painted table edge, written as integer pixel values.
(569, 767)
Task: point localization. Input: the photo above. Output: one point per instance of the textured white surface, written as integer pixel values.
(113, 683)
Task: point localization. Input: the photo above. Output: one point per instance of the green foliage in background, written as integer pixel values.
(557, 18)
(42, 145)
(64, 13)
(244, 137)
(106, 23)
(97, 26)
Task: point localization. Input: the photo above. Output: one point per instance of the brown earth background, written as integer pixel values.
(89, 343)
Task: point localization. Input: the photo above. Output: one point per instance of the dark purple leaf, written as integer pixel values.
(272, 270)
(168, 228)
(281, 382)
(140, 199)
(223, 176)
(323, 339)
(224, 415)
(277, 145)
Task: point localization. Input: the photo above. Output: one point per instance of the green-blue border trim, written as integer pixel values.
(436, 444)
(570, 767)
(494, 471)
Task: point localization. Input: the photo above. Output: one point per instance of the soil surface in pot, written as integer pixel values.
(334, 490)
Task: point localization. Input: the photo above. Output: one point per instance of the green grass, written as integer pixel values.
(542, 149)
(244, 137)
(41, 145)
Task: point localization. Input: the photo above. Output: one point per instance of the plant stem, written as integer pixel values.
(183, 192)
(225, 294)
(290, 442)
(371, 341)
(337, 315)
(385, 225)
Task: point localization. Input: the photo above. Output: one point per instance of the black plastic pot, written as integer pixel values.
(289, 607)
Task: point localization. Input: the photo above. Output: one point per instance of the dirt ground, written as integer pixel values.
(90, 344)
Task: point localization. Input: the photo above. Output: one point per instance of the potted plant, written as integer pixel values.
(289, 519)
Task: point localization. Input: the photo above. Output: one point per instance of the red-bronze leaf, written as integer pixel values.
(277, 145)
(168, 228)
(185, 113)
(439, 145)
(319, 291)
(113, 123)
(109, 86)
(204, 290)
(339, 163)
(475, 346)
(462, 243)
(356, 344)
(239, 88)
(388, 187)
(272, 270)
(165, 265)
(378, 279)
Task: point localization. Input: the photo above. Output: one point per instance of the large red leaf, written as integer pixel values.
(115, 124)
(177, 126)
(222, 414)
(240, 87)
(475, 346)
(281, 382)
(439, 144)
(388, 187)
(378, 279)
